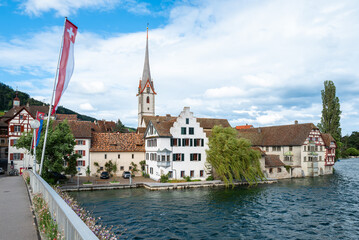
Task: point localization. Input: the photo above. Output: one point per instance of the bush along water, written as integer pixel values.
(102, 232)
(47, 225)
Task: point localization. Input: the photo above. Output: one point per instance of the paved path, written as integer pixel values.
(16, 219)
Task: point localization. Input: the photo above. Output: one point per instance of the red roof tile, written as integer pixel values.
(117, 142)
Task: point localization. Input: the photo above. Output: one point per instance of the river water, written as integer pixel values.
(325, 207)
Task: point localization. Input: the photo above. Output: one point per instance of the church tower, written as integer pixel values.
(16, 101)
(146, 91)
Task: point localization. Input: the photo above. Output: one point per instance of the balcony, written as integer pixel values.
(164, 164)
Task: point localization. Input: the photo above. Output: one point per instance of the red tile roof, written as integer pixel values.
(117, 142)
(244, 126)
(327, 138)
(273, 161)
(80, 129)
(285, 135)
(72, 117)
(104, 126)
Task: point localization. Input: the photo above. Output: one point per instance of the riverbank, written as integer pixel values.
(155, 186)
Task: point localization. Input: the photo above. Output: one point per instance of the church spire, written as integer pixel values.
(146, 75)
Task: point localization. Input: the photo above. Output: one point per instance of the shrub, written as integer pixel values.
(145, 175)
(164, 178)
(210, 178)
(187, 178)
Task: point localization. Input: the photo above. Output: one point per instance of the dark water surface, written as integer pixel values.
(325, 207)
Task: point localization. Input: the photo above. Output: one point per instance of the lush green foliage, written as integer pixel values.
(145, 175)
(351, 141)
(120, 127)
(187, 178)
(352, 152)
(111, 167)
(59, 150)
(143, 165)
(164, 178)
(330, 121)
(233, 158)
(133, 169)
(210, 178)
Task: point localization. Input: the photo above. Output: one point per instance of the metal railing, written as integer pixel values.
(71, 224)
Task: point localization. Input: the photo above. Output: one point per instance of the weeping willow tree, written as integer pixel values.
(233, 158)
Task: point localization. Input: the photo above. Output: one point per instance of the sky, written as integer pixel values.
(252, 62)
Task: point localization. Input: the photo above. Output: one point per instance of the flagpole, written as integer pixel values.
(52, 99)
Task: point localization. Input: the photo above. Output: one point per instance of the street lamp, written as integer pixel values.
(34, 124)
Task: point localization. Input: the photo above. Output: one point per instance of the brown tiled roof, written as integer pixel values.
(141, 130)
(327, 138)
(273, 161)
(117, 142)
(60, 117)
(31, 109)
(80, 129)
(259, 150)
(163, 124)
(285, 135)
(104, 126)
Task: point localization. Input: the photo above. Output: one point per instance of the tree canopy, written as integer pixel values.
(59, 153)
(233, 158)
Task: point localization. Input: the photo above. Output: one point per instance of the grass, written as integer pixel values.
(114, 181)
(87, 182)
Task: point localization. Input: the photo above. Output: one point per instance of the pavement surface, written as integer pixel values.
(16, 219)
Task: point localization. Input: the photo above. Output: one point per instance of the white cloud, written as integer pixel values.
(86, 107)
(263, 63)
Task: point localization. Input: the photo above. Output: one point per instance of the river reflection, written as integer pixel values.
(307, 208)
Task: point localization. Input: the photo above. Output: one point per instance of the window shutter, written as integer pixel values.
(191, 142)
(195, 142)
(183, 142)
(202, 142)
(12, 128)
(83, 142)
(83, 163)
(83, 152)
(25, 117)
(179, 142)
(171, 142)
(199, 157)
(11, 142)
(77, 142)
(21, 156)
(22, 128)
(11, 156)
(191, 157)
(182, 157)
(76, 152)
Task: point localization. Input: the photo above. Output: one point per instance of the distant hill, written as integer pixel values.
(7, 95)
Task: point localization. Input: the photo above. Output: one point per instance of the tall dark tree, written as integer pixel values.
(120, 127)
(330, 121)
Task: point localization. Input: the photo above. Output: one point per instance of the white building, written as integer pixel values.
(177, 145)
(299, 146)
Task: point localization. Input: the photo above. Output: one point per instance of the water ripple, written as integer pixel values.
(325, 207)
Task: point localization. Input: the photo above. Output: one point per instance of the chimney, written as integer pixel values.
(296, 122)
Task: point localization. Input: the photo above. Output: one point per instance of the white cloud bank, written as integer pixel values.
(251, 62)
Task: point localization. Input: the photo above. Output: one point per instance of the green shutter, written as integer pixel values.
(191, 157)
(191, 142)
(171, 142)
(195, 142)
(202, 142)
(179, 142)
(199, 157)
(182, 157)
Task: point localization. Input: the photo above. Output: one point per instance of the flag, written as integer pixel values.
(40, 118)
(66, 63)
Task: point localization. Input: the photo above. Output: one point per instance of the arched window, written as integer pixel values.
(148, 100)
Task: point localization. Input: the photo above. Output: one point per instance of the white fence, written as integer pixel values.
(67, 220)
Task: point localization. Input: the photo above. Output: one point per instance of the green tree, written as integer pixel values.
(59, 153)
(120, 127)
(330, 121)
(133, 169)
(111, 167)
(352, 152)
(233, 158)
(143, 165)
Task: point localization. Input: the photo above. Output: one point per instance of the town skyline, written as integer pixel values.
(239, 62)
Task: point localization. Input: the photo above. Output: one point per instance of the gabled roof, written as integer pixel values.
(285, 135)
(273, 161)
(327, 138)
(117, 142)
(80, 129)
(72, 117)
(103, 126)
(163, 124)
(31, 109)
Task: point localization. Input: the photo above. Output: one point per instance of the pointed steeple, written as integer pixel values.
(146, 75)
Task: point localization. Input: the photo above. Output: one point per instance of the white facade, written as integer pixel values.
(181, 153)
(82, 147)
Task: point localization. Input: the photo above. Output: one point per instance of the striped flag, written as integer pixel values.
(66, 67)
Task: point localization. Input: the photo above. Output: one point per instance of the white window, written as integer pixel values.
(17, 128)
(17, 156)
